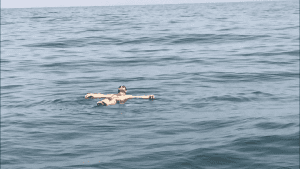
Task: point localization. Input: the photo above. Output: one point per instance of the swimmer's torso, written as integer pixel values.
(114, 98)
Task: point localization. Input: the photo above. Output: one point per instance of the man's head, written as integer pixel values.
(122, 89)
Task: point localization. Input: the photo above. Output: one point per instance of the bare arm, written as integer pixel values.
(97, 95)
(143, 97)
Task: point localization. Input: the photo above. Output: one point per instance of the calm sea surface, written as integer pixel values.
(225, 77)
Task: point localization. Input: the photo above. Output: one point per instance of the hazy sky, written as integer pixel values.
(60, 3)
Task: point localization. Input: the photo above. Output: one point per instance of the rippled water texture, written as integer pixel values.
(225, 77)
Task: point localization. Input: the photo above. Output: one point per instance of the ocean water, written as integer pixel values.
(225, 77)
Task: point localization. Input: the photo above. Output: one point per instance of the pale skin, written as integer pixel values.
(111, 99)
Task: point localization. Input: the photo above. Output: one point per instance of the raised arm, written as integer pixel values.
(97, 95)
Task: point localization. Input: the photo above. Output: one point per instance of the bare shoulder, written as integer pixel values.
(120, 97)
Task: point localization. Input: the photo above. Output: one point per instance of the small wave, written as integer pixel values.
(268, 145)
(168, 39)
(208, 126)
(146, 50)
(273, 125)
(5, 61)
(276, 63)
(261, 93)
(175, 39)
(229, 98)
(217, 157)
(291, 53)
(59, 44)
(241, 97)
(213, 38)
(289, 27)
(49, 45)
(11, 86)
(38, 17)
(139, 40)
(57, 101)
(58, 64)
(127, 62)
(174, 21)
(252, 77)
(7, 23)
(221, 18)
(93, 30)
(124, 80)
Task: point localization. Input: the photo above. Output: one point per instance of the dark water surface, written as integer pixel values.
(225, 77)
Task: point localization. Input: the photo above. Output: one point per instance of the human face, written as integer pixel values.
(122, 88)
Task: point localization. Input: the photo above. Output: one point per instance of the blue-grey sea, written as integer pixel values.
(225, 78)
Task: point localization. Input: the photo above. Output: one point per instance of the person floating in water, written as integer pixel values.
(112, 99)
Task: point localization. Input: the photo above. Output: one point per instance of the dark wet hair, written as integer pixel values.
(122, 86)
